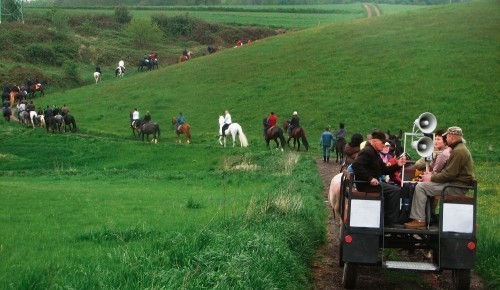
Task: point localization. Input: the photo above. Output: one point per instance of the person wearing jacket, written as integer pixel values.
(369, 167)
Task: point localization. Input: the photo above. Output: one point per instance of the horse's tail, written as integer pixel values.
(304, 139)
(73, 122)
(158, 129)
(243, 138)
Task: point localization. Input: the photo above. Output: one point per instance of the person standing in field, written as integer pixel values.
(326, 141)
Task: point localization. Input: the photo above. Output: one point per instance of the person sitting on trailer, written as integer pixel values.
(457, 171)
(368, 167)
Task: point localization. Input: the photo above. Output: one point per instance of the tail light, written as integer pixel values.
(348, 238)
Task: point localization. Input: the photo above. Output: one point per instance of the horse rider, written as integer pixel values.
(146, 58)
(227, 122)
(30, 107)
(48, 112)
(121, 64)
(20, 108)
(294, 122)
(147, 117)
(341, 133)
(64, 110)
(98, 69)
(152, 56)
(180, 120)
(134, 117)
(271, 122)
(210, 49)
(185, 53)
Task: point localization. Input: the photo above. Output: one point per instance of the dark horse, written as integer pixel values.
(275, 133)
(36, 86)
(182, 129)
(54, 123)
(7, 112)
(339, 149)
(69, 121)
(150, 128)
(146, 63)
(298, 134)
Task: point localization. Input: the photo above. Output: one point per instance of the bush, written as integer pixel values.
(40, 53)
(143, 32)
(122, 15)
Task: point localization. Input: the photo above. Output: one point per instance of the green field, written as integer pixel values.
(272, 16)
(100, 209)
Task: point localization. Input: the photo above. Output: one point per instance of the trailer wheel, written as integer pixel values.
(461, 279)
(350, 275)
(341, 246)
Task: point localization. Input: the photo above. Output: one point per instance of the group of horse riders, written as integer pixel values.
(271, 120)
(24, 91)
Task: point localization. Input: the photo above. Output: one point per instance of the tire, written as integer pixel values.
(349, 276)
(461, 279)
(341, 245)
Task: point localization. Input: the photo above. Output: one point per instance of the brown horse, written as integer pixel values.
(182, 129)
(15, 97)
(298, 134)
(275, 133)
(185, 57)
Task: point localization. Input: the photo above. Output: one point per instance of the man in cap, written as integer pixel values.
(369, 167)
(294, 122)
(457, 171)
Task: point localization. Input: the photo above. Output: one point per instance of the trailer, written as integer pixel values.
(364, 239)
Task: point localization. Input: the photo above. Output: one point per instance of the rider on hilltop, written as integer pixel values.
(271, 122)
(227, 122)
(294, 122)
(180, 120)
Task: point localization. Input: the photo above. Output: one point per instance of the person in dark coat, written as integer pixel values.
(369, 168)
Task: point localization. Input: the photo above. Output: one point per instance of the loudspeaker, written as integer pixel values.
(424, 146)
(426, 122)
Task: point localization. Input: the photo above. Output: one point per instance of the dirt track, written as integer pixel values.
(328, 275)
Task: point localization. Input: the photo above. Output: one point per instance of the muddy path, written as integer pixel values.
(328, 275)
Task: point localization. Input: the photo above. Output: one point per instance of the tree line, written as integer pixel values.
(94, 3)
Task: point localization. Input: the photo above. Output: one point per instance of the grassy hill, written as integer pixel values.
(371, 73)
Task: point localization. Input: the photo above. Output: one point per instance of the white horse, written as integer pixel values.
(33, 117)
(97, 77)
(41, 120)
(119, 71)
(233, 129)
(334, 195)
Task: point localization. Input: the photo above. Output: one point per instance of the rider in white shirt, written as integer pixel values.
(227, 122)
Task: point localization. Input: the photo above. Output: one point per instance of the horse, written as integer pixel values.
(339, 149)
(36, 87)
(233, 129)
(150, 128)
(149, 64)
(97, 77)
(185, 57)
(334, 195)
(298, 134)
(41, 120)
(7, 112)
(275, 133)
(33, 118)
(119, 71)
(135, 126)
(54, 123)
(69, 121)
(182, 129)
(15, 96)
(24, 117)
